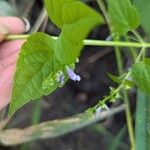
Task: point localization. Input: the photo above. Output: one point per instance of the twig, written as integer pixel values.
(39, 21)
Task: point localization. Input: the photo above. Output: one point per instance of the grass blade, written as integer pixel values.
(141, 121)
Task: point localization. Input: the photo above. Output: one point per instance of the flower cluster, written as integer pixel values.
(59, 77)
(71, 74)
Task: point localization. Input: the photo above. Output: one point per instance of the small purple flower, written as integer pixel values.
(72, 75)
(60, 78)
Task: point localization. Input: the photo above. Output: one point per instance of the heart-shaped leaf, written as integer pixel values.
(45, 64)
(123, 16)
(69, 11)
(35, 63)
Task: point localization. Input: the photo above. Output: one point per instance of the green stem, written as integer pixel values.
(133, 52)
(138, 36)
(120, 69)
(125, 98)
(140, 55)
(92, 42)
(104, 11)
(129, 119)
(141, 41)
(121, 86)
(36, 114)
(119, 58)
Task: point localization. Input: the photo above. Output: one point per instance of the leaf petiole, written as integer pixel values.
(89, 42)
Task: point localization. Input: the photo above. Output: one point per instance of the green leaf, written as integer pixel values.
(54, 9)
(42, 58)
(70, 42)
(142, 128)
(35, 64)
(142, 108)
(148, 124)
(116, 141)
(143, 7)
(123, 16)
(141, 75)
(69, 12)
(116, 79)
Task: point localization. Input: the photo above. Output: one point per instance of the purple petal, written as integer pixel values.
(72, 75)
(78, 78)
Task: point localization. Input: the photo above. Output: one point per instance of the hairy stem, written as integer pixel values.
(120, 70)
(125, 98)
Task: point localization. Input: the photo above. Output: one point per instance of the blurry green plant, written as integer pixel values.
(143, 7)
(46, 63)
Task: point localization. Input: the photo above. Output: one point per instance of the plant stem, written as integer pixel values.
(90, 42)
(138, 36)
(39, 21)
(141, 41)
(140, 55)
(121, 86)
(119, 58)
(133, 52)
(120, 70)
(104, 11)
(125, 98)
(115, 43)
(129, 119)
(36, 114)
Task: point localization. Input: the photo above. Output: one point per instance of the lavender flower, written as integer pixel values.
(72, 75)
(60, 77)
